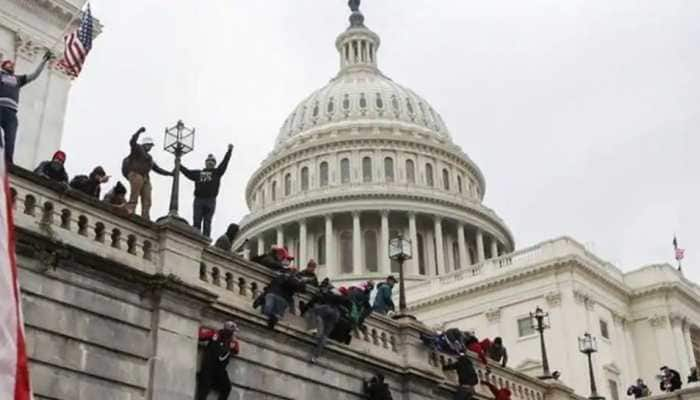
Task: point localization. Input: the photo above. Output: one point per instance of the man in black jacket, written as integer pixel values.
(206, 187)
(220, 345)
(280, 296)
(376, 389)
(670, 380)
(466, 375)
(54, 169)
(225, 241)
(90, 184)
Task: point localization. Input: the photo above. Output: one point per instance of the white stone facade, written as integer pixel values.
(27, 29)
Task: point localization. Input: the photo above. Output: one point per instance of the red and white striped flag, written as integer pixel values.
(679, 253)
(78, 45)
(14, 375)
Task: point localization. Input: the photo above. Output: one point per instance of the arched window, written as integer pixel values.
(321, 250)
(446, 179)
(421, 255)
(429, 175)
(323, 174)
(455, 256)
(459, 184)
(371, 251)
(410, 171)
(288, 184)
(344, 170)
(305, 178)
(389, 169)
(273, 191)
(346, 262)
(366, 169)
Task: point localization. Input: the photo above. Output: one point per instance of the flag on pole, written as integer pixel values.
(14, 375)
(679, 253)
(78, 45)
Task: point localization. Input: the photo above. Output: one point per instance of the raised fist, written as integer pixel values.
(141, 130)
(230, 146)
(48, 55)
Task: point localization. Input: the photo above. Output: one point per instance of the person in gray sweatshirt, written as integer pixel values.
(10, 85)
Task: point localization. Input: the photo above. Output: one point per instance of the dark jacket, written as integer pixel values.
(383, 302)
(117, 196)
(286, 285)
(220, 346)
(52, 170)
(140, 161)
(269, 260)
(376, 389)
(225, 242)
(465, 371)
(10, 86)
(638, 391)
(498, 354)
(674, 383)
(309, 277)
(360, 298)
(88, 184)
(207, 181)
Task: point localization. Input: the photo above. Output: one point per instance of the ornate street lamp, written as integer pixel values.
(400, 251)
(588, 345)
(179, 140)
(539, 321)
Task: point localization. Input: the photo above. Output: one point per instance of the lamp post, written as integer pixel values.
(400, 251)
(179, 140)
(539, 320)
(588, 345)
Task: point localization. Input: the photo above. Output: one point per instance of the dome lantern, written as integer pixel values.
(357, 45)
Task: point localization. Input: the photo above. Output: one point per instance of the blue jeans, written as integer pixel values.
(203, 212)
(8, 123)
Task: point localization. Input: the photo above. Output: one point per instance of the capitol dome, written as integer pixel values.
(363, 160)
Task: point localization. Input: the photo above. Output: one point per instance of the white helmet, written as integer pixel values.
(146, 140)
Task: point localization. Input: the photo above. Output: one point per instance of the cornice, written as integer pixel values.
(349, 142)
(474, 209)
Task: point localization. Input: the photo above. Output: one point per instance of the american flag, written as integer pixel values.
(14, 374)
(679, 252)
(78, 45)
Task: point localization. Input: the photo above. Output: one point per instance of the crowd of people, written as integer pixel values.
(669, 381)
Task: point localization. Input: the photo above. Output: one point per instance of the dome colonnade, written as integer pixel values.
(361, 160)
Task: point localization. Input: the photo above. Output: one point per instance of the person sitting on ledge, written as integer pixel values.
(376, 389)
(220, 346)
(116, 197)
(383, 302)
(466, 377)
(90, 184)
(54, 170)
(225, 241)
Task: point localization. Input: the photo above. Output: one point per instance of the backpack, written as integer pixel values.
(79, 181)
(125, 167)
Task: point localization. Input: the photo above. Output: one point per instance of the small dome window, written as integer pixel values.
(396, 105)
(330, 108)
(315, 110)
(363, 101)
(409, 106)
(346, 102)
(379, 102)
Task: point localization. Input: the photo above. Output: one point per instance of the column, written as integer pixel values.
(494, 248)
(331, 261)
(356, 244)
(462, 244)
(480, 245)
(689, 344)
(302, 243)
(413, 264)
(261, 245)
(280, 236)
(384, 263)
(439, 248)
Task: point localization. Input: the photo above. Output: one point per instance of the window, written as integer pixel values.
(429, 175)
(459, 184)
(525, 327)
(321, 250)
(323, 174)
(446, 179)
(455, 256)
(371, 251)
(273, 192)
(421, 255)
(288, 184)
(366, 169)
(305, 178)
(389, 169)
(346, 261)
(410, 172)
(604, 332)
(344, 170)
(614, 395)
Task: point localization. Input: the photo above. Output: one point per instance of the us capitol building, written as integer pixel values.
(364, 159)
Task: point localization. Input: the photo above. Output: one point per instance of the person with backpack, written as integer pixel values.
(10, 85)
(136, 167)
(206, 187)
(90, 184)
(220, 346)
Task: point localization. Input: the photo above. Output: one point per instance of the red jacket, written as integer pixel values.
(480, 348)
(207, 334)
(499, 394)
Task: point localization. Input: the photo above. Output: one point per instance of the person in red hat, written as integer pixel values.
(10, 85)
(499, 394)
(220, 346)
(54, 170)
(278, 258)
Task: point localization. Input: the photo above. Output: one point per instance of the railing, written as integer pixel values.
(51, 211)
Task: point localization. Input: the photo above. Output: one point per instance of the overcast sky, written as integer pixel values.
(583, 115)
